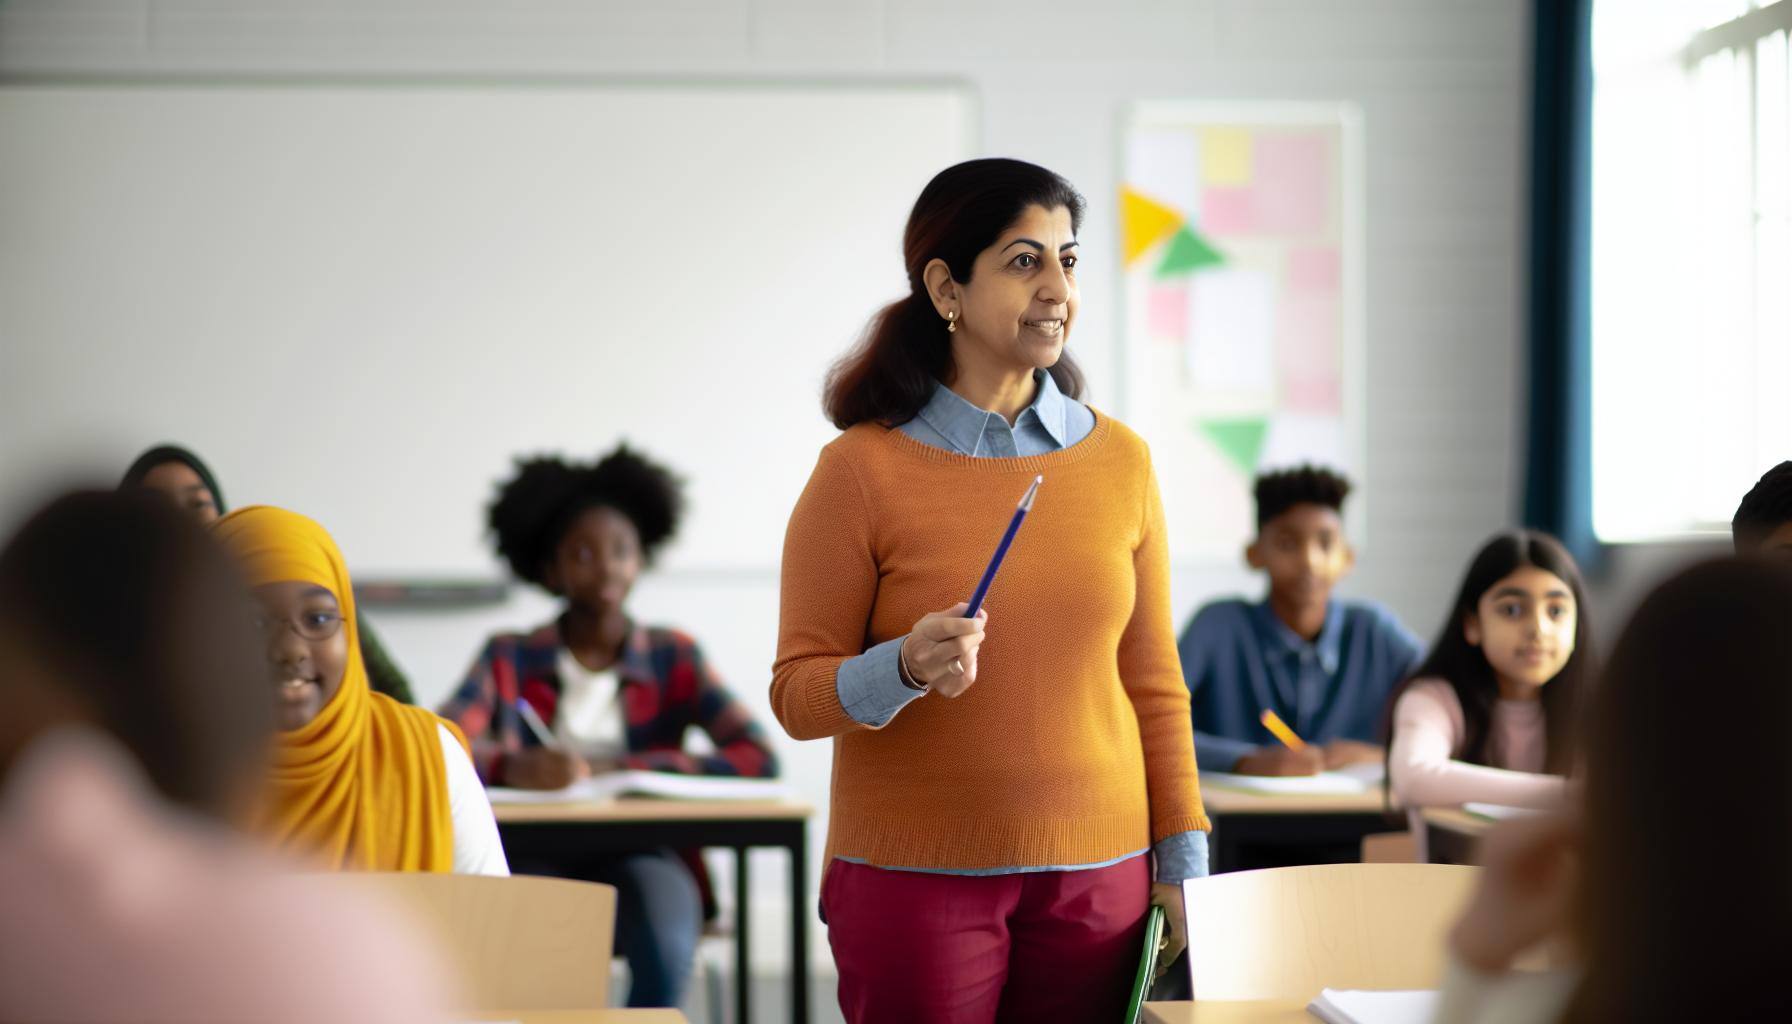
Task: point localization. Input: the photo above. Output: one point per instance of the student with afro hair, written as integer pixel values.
(616, 694)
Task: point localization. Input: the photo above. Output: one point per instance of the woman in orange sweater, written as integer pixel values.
(999, 781)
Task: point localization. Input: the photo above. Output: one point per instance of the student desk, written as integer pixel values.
(1254, 1011)
(553, 832)
(1243, 818)
(1451, 835)
(579, 1016)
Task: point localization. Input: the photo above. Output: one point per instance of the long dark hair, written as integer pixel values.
(1701, 676)
(889, 375)
(1464, 665)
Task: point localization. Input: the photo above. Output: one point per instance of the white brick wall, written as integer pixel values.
(1442, 86)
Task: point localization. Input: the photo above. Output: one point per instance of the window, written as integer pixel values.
(1691, 261)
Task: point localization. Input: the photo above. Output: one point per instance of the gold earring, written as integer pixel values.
(952, 321)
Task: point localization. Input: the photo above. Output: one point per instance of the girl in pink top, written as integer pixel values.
(1489, 715)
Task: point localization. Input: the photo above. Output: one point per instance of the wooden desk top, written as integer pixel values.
(1455, 819)
(1219, 800)
(628, 809)
(577, 1016)
(1256, 1011)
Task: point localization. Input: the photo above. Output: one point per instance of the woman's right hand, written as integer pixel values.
(941, 651)
(544, 768)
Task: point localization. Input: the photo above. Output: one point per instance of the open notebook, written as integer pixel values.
(1497, 812)
(1358, 778)
(665, 785)
(1355, 1006)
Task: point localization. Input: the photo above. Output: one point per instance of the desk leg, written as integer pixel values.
(743, 981)
(799, 926)
(1222, 855)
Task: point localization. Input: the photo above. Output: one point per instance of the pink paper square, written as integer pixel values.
(1313, 269)
(1227, 210)
(1294, 175)
(1312, 394)
(1307, 365)
(1166, 312)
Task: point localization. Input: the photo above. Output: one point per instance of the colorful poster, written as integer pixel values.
(1241, 240)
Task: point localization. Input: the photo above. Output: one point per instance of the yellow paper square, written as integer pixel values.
(1225, 156)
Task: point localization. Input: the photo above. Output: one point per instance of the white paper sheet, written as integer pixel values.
(1355, 779)
(1355, 1006)
(665, 785)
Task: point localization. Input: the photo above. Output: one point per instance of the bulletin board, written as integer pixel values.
(1242, 242)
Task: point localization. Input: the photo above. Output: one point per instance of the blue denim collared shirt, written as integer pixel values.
(870, 685)
(1239, 660)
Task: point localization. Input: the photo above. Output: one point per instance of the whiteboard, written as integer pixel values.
(360, 301)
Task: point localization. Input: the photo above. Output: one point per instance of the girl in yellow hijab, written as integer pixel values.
(360, 781)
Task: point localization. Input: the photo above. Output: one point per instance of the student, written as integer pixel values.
(359, 781)
(1490, 715)
(129, 749)
(1000, 782)
(1675, 923)
(178, 474)
(1325, 666)
(616, 694)
(1763, 521)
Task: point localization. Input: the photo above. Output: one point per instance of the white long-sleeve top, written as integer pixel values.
(477, 848)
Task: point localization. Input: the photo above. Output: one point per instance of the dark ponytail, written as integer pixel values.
(889, 375)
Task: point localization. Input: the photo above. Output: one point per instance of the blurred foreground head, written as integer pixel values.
(1690, 724)
(119, 613)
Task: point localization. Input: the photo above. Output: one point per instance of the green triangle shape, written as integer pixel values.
(1241, 440)
(1187, 252)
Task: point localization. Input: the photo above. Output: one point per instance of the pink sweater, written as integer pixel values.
(1424, 766)
(116, 907)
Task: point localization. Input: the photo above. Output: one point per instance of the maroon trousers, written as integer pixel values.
(917, 948)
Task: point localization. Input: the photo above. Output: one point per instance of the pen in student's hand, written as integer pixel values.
(1273, 722)
(989, 574)
(536, 725)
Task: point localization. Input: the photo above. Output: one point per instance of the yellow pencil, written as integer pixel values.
(1273, 722)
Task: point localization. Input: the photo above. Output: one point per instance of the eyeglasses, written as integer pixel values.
(309, 625)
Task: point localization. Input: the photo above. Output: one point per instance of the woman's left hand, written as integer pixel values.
(1168, 895)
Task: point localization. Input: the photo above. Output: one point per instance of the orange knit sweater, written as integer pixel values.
(1074, 744)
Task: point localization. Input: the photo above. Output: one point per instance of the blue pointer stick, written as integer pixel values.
(989, 574)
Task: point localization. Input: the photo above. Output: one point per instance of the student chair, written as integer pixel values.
(1391, 848)
(1286, 933)
(518, 943)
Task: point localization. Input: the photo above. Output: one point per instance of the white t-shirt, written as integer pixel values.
(589, 718)
(477, 848)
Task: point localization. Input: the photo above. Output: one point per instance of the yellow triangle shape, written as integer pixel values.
(1143, 223)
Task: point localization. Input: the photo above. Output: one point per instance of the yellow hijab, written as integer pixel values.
(362, 786)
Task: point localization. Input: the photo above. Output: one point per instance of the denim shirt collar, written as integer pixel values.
(964, 425)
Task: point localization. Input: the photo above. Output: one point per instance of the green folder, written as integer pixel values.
(1141, 985)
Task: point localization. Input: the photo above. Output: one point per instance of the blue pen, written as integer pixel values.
(533, 720)
(989, 574)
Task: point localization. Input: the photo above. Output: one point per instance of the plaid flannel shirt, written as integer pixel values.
(666, 687)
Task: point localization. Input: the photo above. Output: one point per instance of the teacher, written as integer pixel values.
(998, 781)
